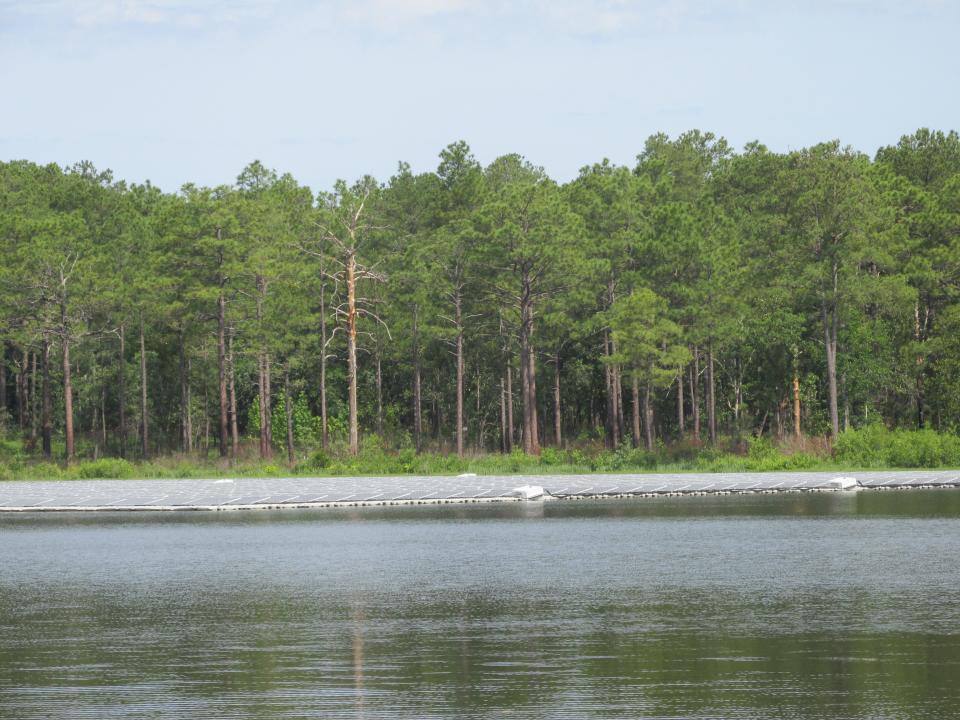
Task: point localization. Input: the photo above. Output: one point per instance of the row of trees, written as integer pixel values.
(698, 292)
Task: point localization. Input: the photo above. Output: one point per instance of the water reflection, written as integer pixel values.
(801, 606)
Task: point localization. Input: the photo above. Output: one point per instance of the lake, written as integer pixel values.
(808, 605)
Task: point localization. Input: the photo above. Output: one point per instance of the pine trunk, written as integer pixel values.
(234, 430)
(222, 371)
(144, 418)
(648, 417)
(121, 392)
(46, 417)
(711, 397)
(352, 351)
(288, 407)
(458, 309)
(681, 420)
(635, 389)
(67, 386)
(417, 394)
(557, 410)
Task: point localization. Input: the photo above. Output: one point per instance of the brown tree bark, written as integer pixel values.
(288, 407)
(222, 369)
(144, 414)
(504, 440)
(323, 364)
(67, 384)
(648, 417)
(186, 431)
(34, 401)
(458, 320)
(121, 392)
(352, 350)
(557, 410)
(695, 393)
(796, 402)
(510, 424)
(681, 420)
(830, 322)
(46, 417)
(3, 387)
(711, 397)
(417, 391)
(234, 430)
(528, 369)
(635, 388)
(378, 377)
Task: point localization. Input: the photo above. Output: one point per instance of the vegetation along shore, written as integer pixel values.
(702, 309)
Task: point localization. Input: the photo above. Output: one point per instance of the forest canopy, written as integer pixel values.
(699, 293)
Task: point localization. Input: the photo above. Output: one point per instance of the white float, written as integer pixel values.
(843, 483)
(528, 492)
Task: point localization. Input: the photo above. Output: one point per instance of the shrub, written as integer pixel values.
(407, 460)
(114, 468)
(552, 456)
(319, 460)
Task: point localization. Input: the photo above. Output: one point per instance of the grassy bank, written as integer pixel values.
(873, 447)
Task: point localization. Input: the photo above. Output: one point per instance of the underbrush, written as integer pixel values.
(871, 447)
(875, 446)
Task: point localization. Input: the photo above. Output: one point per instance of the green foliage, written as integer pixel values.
(876, 446)
(113, 468)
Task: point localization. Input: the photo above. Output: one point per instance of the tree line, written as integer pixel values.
(699, 293)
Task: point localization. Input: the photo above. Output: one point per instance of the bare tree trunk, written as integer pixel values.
(695, 393)
(288, 407)
(265, 439)
(796, 397)
(379, 382)
(458, 309)
(121, 393)
(417, 393)
(830, 323)
(613, 429)
(504, 438)
(3, 387)
(268, 403)
(830, 345)
(510, 425)
(711, 397)
(21, 385)
(222, 369)
(635, 387)
(557, 410)
(618, 404)
(681, 421)
(531, 440)
(261, 416)
(186, 432)
(352, 350)
(67, 385)
(323, 368)
(103, 417)
(648, 417)
(481, 420)
(34, 401)
(189, 411)
(144, 415)
(46, 419)
(234, 431)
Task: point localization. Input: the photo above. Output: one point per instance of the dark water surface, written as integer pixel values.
(789, 606)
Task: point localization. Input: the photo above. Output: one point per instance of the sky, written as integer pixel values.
(179, 91)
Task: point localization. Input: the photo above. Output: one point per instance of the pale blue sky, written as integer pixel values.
(187, 90)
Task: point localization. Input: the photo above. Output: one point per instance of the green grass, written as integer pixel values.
(872, 447)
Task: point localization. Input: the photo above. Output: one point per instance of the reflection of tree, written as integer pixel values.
(359, 617)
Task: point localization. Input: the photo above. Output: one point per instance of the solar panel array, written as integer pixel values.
(241, 493)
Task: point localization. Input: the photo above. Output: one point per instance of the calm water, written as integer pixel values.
(789, 606)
